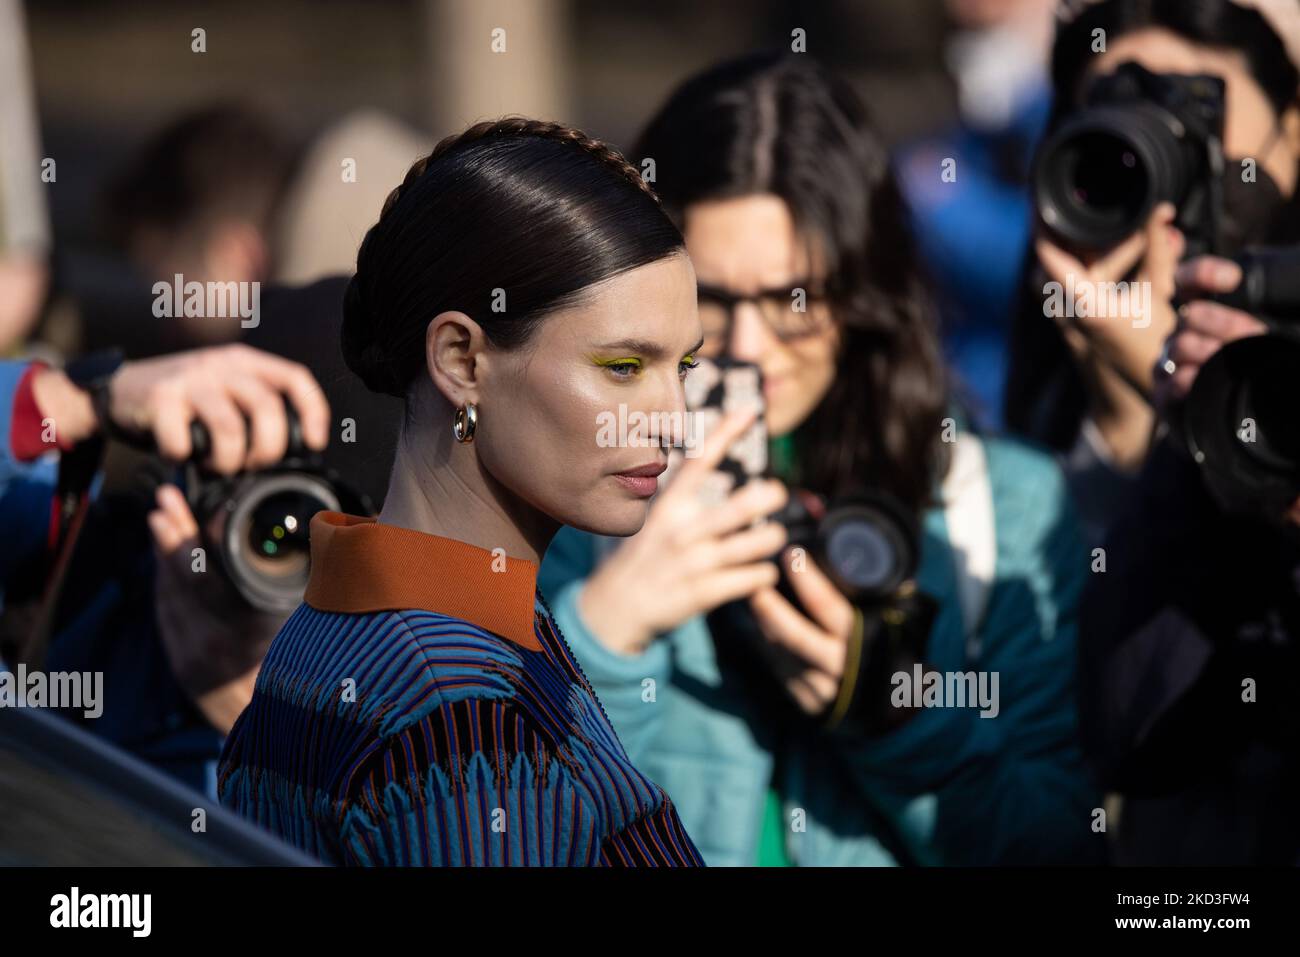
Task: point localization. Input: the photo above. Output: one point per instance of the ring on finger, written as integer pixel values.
(1166, 364)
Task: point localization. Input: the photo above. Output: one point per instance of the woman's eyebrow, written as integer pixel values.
(782, 290)
(804, 283)
(643, 347)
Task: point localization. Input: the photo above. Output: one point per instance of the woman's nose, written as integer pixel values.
(666, 407)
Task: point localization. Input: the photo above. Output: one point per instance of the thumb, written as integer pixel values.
(171, 521)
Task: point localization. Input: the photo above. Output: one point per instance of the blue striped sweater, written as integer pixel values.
(403, 736)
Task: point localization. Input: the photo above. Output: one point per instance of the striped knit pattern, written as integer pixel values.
(415, 738)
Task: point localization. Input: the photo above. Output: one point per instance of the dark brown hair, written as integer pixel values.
(530, 210)
(783, 124)
(225, 159)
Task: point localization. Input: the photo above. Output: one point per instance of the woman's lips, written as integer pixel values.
(642, 481)
(643, 485)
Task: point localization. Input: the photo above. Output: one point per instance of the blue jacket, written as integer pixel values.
(115, 632)
(949, 786)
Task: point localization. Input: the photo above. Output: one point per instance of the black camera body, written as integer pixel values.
(866, 543)
(1142, 138)
(1239, 421)
(257, 523)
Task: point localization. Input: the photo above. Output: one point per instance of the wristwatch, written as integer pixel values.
(93, 374)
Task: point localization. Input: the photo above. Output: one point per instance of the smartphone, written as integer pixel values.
(714, 389)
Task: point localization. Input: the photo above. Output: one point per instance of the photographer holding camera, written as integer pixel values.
(1171, 175)
(246, 408)
(1189, 643)
(780, 739)
(1175, 134)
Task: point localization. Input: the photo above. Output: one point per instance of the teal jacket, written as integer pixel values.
(949, 786)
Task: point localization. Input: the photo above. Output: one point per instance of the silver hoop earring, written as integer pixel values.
(465, 423)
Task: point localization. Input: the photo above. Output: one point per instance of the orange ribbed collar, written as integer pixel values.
(359, 565)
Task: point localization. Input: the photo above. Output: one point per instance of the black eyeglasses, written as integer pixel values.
(788, 311)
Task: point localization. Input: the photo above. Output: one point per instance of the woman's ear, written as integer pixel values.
(453, 345)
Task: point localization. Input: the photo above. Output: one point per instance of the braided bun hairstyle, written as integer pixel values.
(506, 222)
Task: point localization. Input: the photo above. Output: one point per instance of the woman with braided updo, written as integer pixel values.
(420, 706)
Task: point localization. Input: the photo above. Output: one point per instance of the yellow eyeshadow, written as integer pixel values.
(616, 362)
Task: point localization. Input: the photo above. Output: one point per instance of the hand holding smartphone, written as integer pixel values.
(714, 389)
(706, 540)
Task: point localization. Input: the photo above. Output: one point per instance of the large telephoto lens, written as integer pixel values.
(1240, 424)
(1101, 174)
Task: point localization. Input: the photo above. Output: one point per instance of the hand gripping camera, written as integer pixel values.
(257, 523)
(1241, 421)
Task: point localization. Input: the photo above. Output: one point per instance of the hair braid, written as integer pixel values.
(522, 126)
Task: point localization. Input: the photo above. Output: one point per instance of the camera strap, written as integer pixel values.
(77, 470)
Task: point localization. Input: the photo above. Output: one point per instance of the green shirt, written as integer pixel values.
(771, 842)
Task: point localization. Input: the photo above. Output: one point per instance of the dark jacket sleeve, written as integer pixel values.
(1187, 639)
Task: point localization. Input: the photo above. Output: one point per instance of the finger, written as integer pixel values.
(793, 674)
(1119, 261)
(828, 607)
(1180, 383)
(1079, 344)
(227, 431)
(714, 449)
(296, 382)
(752, 501)
(1207, 275)
(800, 688)
(1165, 245)
(1192, 348)
(172, 503)
(785, 625)
(268, 427)
(171, 426)
(1058, 264)
(1219, 321)
(824, 688)
(166, 536)
(730, 584)
(749, 545)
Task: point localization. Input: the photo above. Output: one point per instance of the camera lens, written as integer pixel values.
(1104, 179)
(277, 532)
(1269, 401)
(266, 548)
(869, 547)
(861, 555)
(1239, 424)
(1101, 174)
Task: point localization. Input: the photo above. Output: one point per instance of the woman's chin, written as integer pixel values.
(619, 516)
